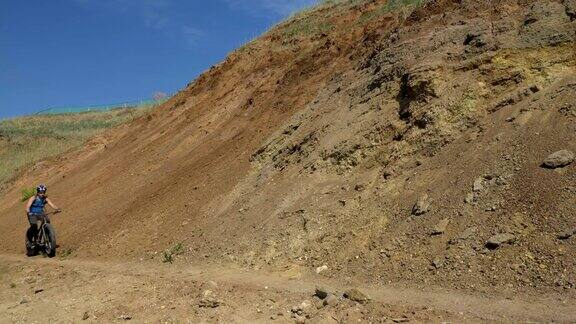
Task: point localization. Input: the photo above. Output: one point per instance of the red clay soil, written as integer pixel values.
(348, 147)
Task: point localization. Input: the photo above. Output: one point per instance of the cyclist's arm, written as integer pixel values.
(51, 204)
(29, 204)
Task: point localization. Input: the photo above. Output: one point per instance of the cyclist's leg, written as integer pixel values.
(32, 232)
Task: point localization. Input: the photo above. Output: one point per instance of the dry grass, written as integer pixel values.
(25, 141)
(325, 16)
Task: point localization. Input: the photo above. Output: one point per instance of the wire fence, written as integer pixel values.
(107, 107)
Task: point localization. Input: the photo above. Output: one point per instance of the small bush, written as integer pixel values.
(66, 253)
(27, 193)
(168, 255)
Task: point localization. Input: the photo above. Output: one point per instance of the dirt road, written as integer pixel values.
(57, 290)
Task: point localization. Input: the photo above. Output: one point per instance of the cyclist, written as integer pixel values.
(35, 211)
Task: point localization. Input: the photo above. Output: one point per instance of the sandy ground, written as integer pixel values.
(67, 291)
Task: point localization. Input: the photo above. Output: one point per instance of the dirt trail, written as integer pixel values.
(68, 290)
(394, 147)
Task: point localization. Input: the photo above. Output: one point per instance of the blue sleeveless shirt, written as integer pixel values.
(38, 205)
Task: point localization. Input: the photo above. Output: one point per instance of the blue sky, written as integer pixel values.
(87, 52)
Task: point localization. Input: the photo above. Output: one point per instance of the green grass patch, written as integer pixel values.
(169, 255)
(307, 28)
(65, 253)
(27, 193)
(25, 141)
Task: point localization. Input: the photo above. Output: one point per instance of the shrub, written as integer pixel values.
(27, 193)
(168, 255)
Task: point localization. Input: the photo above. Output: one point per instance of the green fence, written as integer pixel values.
(120, 105)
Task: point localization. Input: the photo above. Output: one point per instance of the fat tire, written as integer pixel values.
(50, 241)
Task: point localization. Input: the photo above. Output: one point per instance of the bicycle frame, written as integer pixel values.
(41, 239)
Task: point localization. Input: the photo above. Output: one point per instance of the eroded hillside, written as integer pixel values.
(386, 141)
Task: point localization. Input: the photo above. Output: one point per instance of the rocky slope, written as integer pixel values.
(389, 143)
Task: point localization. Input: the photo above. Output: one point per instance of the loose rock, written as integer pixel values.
(478, 185)
(468, 233)
(321, 269)
(321, 292)
(356, 295)
(438, 263)
(331, 300)
(495, 241)
(301, 309)
(208, 300)
(298, 319)
(567, 234)
(470, 198)
(422, 206)
(558, 159)
(440, 228)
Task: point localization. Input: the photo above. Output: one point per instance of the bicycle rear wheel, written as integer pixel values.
(49, 240)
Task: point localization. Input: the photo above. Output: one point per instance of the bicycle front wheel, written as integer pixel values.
(49, 240)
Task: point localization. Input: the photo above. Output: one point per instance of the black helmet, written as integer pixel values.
(41, 189)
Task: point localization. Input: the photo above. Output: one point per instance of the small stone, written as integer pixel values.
(301, 309)
(331, 300)
(501, 181)
(470, 198)
(39, 290)
(125, 317)
(478, 185)
(495, 241)
(558, 159)
(85, 316)
(299, 319)
(321, 269)
(208, 300)
(490, 208)
(468, 233)
(440, 228)
(356, 295)
(321, 292)
(422, 206)
(438, 262)
(400, 320)
(318, 303)
(566, 234)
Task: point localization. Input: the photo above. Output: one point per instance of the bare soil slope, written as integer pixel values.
(347, 146)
